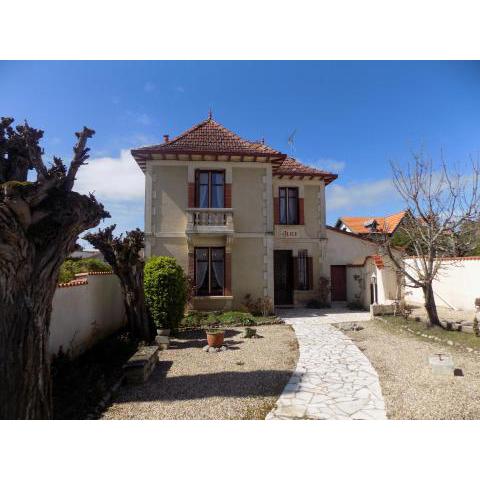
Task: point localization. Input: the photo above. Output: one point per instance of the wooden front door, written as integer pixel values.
(283, 277)
(338, 280)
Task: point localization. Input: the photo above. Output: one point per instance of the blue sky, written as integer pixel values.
(349, 117)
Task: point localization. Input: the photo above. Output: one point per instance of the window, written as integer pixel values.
(210, 189)
(209, 270)
(288, 205)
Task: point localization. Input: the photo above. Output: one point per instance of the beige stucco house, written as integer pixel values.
(245, 219)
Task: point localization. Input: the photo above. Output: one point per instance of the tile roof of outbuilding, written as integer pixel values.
(386, 224)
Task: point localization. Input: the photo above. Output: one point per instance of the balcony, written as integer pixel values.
(209, 221)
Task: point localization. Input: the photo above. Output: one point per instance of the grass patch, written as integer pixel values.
(81, 383)
(464, 339)
(198, 319)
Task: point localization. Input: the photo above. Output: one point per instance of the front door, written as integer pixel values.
(338, 279)
(283, 277)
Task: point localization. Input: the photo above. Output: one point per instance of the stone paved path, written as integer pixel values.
(333, 378)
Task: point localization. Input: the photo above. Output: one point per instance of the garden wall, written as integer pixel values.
(457, 284)
(86, 311)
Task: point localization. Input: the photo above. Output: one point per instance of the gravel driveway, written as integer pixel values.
(241, 383)
(410, 389)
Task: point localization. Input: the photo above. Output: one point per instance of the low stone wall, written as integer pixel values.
(379, 310)
(84, 312)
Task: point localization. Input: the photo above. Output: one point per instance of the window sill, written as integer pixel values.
(213, 297)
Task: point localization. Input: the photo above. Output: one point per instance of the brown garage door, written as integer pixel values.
(338, 279)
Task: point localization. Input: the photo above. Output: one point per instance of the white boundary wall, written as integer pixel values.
(86, 312)
(456, 286)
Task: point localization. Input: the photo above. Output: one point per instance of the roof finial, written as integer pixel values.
(210, 113)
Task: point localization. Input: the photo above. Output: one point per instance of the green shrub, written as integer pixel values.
(234, 318)
(197, 319)
(72, 266)
(165, 291)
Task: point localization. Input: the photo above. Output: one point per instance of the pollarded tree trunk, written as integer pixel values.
(122, 253)
(139, 323)
(25, 387)
(430, 305)
(39, 224)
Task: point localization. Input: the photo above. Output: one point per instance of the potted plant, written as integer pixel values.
(215, 337)
(163, 331)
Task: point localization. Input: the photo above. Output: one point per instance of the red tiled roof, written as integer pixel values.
(292, 167)
(386, 224)
(73, 283)
(81, 279)
(209, 137)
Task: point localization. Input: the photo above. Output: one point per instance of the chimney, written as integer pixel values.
(165, 138)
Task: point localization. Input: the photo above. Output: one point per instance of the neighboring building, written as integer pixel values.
(371, 226)
(243, 218)
(86, 254)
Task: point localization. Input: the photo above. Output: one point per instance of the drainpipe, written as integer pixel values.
(375, 293)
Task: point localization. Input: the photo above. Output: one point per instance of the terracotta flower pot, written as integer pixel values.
(215, 338)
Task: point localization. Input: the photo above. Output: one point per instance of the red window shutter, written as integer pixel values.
(310, 272)
(191, 195)
(228, 195)
(301, 211)
(276, 210)
(295, 273)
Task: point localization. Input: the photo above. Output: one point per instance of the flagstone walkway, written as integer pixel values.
(333, 379)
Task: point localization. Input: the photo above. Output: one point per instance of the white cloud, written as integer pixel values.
(112, 179)
(366, 194)
(143, 118)
(180, 89)
(329, 164)
(149, 87)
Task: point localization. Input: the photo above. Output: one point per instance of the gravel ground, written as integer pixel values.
(410, 389)
(241, 383)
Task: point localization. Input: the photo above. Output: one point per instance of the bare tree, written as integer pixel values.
(443, 214)
(40, 221)
(122, 253)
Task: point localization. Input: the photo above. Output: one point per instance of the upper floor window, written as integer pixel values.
(210, 189)
(288, 205)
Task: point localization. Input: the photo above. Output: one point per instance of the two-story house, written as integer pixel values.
(243, 218)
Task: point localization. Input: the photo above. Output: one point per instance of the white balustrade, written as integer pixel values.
(209, 220)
